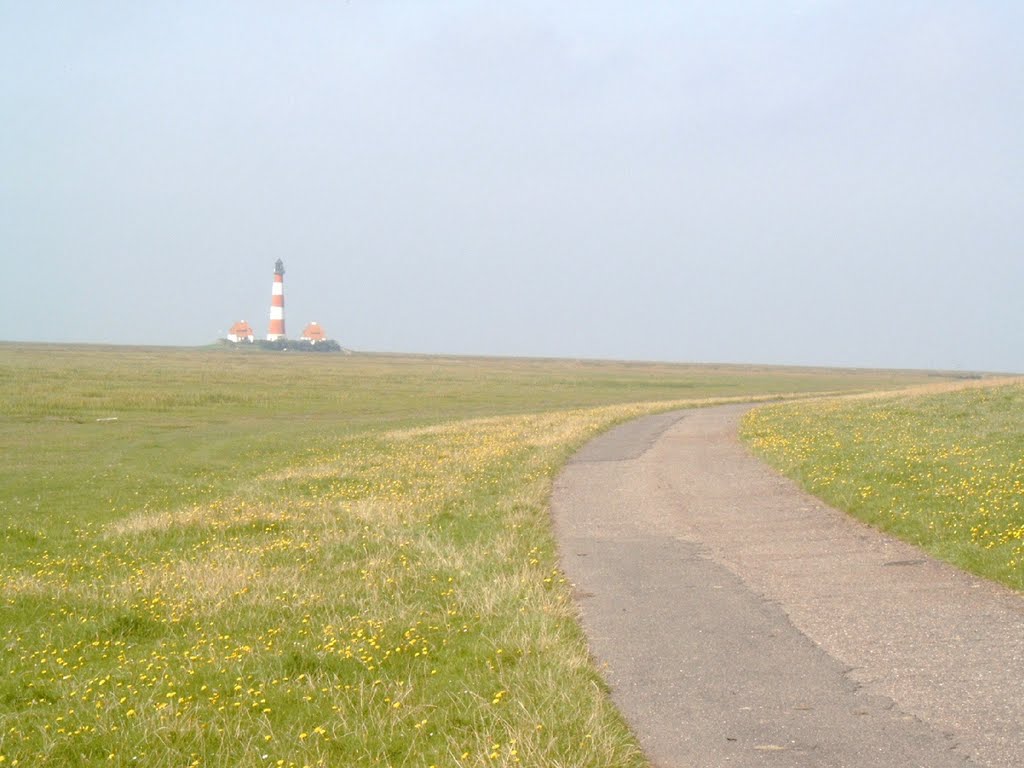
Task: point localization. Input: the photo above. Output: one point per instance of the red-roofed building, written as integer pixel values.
(314, 333)
(241, 331)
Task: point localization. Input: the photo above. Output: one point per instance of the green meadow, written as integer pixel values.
(942, 470)
(220, 557)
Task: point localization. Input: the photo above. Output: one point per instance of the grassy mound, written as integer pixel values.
(215, 559)
(944, 471)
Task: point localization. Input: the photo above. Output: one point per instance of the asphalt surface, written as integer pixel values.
(741, 622)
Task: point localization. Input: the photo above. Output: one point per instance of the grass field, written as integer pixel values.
(942, 470)
(217, 558)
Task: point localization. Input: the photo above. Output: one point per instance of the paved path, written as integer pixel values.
(741, 622)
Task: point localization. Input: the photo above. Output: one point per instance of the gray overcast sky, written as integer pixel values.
(798, 181)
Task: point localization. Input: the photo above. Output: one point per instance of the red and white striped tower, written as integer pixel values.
(276, 329)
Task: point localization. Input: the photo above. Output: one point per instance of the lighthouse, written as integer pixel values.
(276, 329)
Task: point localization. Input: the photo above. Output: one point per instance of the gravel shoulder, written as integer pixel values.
(742, 622)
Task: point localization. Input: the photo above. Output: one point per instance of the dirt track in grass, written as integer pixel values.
(742, 622)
